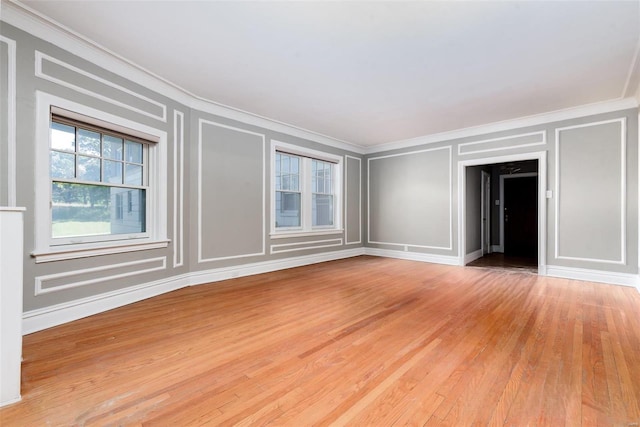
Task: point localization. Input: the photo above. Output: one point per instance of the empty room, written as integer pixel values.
(319, 213)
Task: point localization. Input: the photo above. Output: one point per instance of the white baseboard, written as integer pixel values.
(625, 279)
(37, 320)
(10, 401)
(413, 256)
(224, 273)
(472, 256)
(497, 248)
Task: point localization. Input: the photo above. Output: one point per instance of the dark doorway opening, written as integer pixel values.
(514, 217)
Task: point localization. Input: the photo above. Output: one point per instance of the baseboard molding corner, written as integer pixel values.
(472, 256)
(413, 256)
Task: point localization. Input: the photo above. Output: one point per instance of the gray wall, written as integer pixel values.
(218, 189)
(410, 198)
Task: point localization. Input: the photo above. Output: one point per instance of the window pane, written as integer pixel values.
(112, 172)
(287, 209)
(88, 168)
(322, 210)
(133, 152)
(88, 142)
(112, 147)
(133, 174)
(63, 165)
(63, 137)
(79, 210)
(90, 210)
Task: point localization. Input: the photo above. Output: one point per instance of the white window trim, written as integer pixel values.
(44, 250)
(306, 229)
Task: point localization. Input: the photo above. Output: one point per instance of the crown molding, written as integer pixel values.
(27, 19)
(511, 124)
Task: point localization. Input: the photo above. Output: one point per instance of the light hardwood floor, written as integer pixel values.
(363, 341)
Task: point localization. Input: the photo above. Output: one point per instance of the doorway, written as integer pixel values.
(512, 218)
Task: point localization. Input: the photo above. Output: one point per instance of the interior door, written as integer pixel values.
(521, 216)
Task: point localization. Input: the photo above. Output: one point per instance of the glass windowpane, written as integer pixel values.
(112, 172)
(133, 152)
(63, 137)
(63, 165)
(88, 168)
(287, 209)
(88, 142)
(133, 174)
(91, 210)
(322, 210)
(112, 147)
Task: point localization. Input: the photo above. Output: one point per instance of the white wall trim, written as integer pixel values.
(623, 195)
(501, 211)
(542, 141)
(40, 57)
(346, 200)
(39, 319)
(202, 121)
(497, 248)
(39, 280)
(472, 256)
(413, 256)
(599, 276)
(406, 245)
(511, 124)
(300, 246)
(11, 120)
(541, 156)
(178, 189)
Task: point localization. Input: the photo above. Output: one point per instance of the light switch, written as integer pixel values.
(497, 202)
(549, 194)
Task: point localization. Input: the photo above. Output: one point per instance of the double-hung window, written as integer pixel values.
(99, 183)
(306, 191)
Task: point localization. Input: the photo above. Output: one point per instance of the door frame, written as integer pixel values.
(501, 221)
(541, 157)
(485, 212)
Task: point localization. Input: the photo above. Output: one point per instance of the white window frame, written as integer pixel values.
(46, 249)
(306, 228)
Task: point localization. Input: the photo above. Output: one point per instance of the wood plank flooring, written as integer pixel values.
(363, 341)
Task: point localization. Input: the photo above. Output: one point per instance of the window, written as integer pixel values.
(103, 186)
(91, 169)
(306, 191)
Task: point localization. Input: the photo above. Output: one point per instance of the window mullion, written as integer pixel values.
(306, 193)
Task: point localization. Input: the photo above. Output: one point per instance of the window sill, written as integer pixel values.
(297, 233)
(61, 254)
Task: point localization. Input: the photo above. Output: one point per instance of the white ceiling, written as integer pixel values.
(375, 72)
